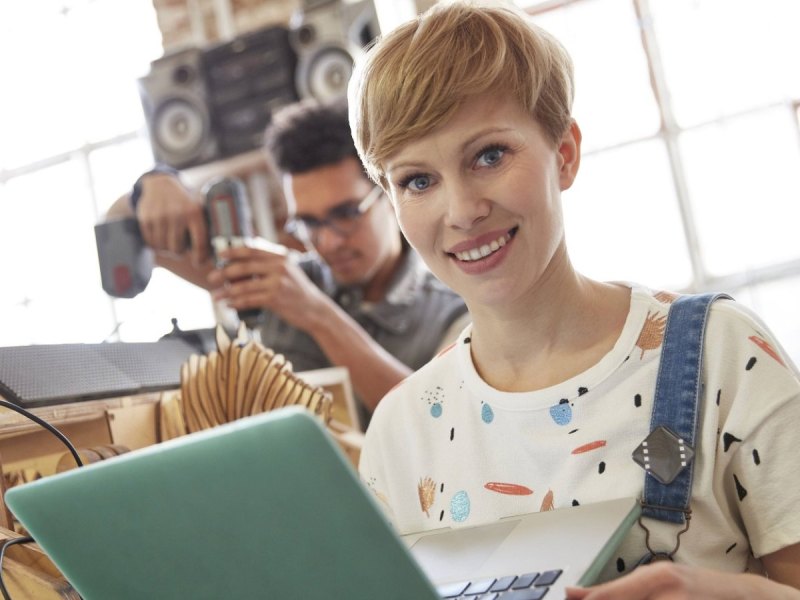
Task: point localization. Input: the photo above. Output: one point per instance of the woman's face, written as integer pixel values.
(479, 199)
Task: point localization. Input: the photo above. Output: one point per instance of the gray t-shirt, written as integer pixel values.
(409, 322)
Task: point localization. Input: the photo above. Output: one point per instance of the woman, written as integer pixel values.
(463, 117)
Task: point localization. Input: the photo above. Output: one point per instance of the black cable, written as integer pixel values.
(75, 455)
(6, 544)
(47, 426)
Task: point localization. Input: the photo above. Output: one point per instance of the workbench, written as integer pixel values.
(29, 452)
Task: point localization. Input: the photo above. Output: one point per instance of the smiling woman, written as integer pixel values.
(561, 375)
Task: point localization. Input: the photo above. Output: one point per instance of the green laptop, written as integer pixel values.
(263, 507)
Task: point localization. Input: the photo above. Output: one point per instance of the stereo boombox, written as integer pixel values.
(204, 104)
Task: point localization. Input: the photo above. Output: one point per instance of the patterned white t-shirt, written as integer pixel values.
(446, 449)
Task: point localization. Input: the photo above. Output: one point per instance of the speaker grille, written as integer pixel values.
(248, 79)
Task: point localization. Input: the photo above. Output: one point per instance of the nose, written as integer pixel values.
(467, 206)
(327, 239)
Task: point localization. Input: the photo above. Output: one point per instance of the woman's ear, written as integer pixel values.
(569, 152)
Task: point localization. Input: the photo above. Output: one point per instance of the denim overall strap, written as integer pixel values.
(675, 405)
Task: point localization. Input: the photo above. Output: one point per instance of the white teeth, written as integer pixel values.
(483, 251)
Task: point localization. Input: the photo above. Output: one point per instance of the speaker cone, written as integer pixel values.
(325, 74)
(180, 127)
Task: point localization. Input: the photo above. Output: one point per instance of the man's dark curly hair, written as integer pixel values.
(310, 134)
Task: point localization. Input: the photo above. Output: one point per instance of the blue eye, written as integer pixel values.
(417, 183)
(490, 156)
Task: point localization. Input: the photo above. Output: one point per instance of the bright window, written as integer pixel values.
(622, 219)
(690, 178)
(73, 139)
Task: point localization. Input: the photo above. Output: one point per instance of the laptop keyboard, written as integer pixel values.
(529, 586)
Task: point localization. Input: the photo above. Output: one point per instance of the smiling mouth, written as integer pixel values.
(486, 249)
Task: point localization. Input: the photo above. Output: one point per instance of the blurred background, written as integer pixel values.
(690, 178)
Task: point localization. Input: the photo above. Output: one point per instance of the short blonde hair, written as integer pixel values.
(416, 77)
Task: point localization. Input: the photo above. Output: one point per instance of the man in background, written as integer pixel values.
(361, 298)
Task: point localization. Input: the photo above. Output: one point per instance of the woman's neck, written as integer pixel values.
(560, 329)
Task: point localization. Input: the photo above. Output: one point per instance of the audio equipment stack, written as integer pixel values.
(205, 104)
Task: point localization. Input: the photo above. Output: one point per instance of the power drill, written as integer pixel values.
(126, 264)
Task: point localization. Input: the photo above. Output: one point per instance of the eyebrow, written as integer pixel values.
(341, 204)
(465, 144)
(327, 212)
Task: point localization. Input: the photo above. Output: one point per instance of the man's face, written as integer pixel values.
(366, 241)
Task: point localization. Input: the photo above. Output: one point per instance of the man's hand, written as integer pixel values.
(267, 278)
(171, 218)
(670, 581)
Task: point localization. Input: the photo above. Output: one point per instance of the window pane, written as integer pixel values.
(744, 185)
(147, 317)
(622, 218)
(73, 76)
(725, 56)
(39, 112)
(51, 284)
(126, 33)
(613, 99)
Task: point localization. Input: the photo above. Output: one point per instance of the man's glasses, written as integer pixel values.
(343, 219)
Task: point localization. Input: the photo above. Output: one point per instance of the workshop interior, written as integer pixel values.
(692, 143)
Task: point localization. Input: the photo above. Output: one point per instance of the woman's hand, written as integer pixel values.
(670, 581)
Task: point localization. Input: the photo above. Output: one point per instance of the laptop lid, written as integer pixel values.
(266, 506)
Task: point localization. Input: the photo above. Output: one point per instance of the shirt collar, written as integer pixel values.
(404, 289)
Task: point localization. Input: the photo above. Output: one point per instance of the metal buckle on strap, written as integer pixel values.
(655, 556)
